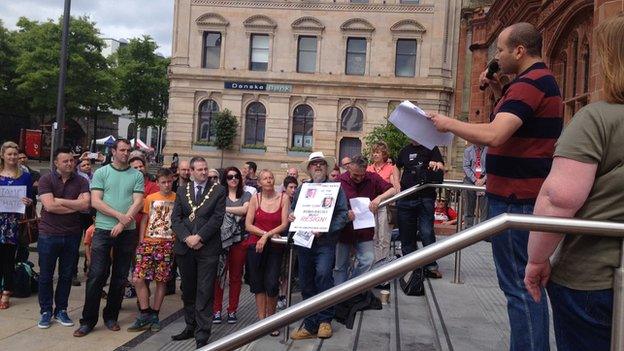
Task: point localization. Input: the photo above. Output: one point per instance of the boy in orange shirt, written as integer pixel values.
(154, 255)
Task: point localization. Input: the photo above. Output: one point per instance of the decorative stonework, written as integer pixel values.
(357, 25)
(408, 26)
(212, 20)
(320, 6)
(260, 22)
(307, 24)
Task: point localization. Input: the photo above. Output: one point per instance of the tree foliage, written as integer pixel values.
(225, 125)
(388, 133)
(88, 83)
(134, 78)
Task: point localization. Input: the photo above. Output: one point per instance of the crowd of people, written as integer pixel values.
(214, 226)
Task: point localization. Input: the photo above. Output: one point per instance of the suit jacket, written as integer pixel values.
(207, 222)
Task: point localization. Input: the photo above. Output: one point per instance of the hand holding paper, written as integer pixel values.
(416, 124)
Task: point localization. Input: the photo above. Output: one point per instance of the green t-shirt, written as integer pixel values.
(594, 136)
(118, 187)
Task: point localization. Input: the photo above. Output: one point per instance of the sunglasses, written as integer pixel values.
(318, 163)
(213, 177)
(232, 176)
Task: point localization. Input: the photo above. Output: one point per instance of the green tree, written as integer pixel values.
(388, 133)
(88, 84)
(225, 125)
(138, 76)
(10, 101)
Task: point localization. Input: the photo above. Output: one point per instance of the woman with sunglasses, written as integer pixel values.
(236, 204)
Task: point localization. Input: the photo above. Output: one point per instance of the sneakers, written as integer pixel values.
(62, 317)
(232, 318)
(45, 321)
(325, 331)
(302, 334)
(216, 318)
(143, 322)
(281, 303)
(155, 323)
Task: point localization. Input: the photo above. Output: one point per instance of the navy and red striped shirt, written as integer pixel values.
(517, 169)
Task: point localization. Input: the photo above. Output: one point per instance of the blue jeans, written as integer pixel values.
(528, 320)
(582, 319)
(416, 216)
(52, 249)
(315, 276)
(123, 247)
(364, 258)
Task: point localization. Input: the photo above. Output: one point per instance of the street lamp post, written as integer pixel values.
(60, 98)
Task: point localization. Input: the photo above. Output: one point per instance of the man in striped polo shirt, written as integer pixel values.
(521, 136)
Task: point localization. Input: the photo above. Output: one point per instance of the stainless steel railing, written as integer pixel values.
(428, 254)
(449, 185)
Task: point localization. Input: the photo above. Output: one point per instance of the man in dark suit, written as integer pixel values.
(196, 220)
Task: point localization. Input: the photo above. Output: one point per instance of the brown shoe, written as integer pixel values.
(325, 331)
(82, 331)
(301, 334)
(433, 273)
(112, 325)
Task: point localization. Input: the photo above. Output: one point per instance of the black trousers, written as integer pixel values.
(7, 266)
(198, 270)
(123, 247)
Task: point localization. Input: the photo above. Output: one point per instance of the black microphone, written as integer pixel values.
(493, 67)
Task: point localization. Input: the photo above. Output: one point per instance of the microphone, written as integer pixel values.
(492, 68)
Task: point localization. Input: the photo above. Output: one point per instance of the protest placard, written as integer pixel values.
(11, 198)
(315, 207)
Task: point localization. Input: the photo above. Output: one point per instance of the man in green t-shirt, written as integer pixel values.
(117, 195)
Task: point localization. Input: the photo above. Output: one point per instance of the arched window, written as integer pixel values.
(303, 120)
(143, 134)
(255, 120)
(350, 147)
(351, 120)
(205, 125)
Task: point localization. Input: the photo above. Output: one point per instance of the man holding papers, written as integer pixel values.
(316, 263)
(527, 120)
(361, 188)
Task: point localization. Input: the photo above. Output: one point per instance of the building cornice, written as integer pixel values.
(317, 6)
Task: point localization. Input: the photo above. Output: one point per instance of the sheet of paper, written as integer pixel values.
(11, 198)
(315, 207)
(303, 238)
(364, 218)
(413, 121)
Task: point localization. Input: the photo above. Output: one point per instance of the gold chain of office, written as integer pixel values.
(190, 202)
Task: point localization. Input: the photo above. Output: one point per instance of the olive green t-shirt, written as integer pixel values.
(595, 135)
(118, 186)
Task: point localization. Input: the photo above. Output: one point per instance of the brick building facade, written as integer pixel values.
(566, 26)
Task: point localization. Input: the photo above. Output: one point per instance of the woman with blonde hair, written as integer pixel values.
(390, 173)
(10, 175)
(267, 217)
(585, 181)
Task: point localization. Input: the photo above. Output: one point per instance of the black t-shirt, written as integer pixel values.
(414, 161)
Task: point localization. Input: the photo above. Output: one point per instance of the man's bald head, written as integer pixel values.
(523, 34)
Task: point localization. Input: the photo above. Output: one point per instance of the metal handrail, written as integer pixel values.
(451, 185)
(424, 256)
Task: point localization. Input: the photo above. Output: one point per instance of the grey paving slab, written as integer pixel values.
(474, 313)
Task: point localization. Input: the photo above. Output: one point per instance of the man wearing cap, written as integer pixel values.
(317, 263)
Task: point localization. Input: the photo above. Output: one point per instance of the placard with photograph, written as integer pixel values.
(315, 207)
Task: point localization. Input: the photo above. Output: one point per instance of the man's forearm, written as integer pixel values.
(102, 207)
(76, 205)
(476, 133)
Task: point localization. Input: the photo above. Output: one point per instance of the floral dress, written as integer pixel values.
(9, 226)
